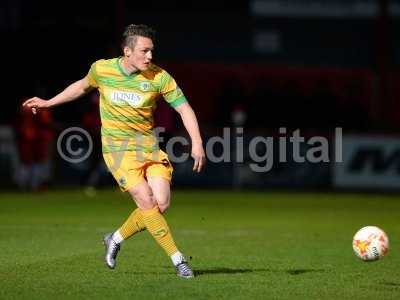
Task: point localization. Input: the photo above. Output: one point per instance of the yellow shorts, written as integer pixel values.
(129, 169)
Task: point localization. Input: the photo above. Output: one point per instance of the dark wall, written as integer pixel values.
(52, 44)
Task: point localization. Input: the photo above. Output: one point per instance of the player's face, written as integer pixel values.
(141, 55)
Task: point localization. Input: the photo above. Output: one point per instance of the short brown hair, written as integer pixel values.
(132, 31)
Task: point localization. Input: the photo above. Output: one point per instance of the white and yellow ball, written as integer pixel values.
(370, 243)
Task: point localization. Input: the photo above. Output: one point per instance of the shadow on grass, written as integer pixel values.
(227, 271)
(392, 284)
(303, 271)
(241, 271)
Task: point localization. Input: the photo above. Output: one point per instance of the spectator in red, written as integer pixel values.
(34, 142)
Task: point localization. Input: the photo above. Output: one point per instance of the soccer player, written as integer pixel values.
(129, 87)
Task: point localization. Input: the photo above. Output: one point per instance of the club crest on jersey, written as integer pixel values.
(145, 86)
(122, 97)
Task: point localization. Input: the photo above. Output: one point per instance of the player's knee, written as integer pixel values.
(143, 198)
(163, 203)
(145, 205)
(163, 207)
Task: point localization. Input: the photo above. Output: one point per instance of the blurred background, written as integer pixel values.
(308, 65)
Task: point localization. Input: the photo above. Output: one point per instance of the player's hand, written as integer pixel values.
(34, 104)
(199, 157)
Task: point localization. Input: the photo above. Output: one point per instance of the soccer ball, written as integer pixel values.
(370, 243)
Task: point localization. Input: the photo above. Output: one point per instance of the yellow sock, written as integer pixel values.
(132, 225)
(158, 227)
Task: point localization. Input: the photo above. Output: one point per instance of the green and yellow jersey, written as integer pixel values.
(127, 103)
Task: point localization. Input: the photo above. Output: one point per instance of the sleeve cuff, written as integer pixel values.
(178, 101)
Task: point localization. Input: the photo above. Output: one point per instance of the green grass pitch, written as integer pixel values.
(243, 245)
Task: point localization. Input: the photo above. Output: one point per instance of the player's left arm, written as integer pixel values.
(192, 126)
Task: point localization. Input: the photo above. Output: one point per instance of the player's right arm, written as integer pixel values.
(72, 92)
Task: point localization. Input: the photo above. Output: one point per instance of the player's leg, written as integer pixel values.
(161, 194)
(161, 189)
(159, 182)
(142, 195)
(134, 223)
(152, 218)
(154, 221)
(128, 173)
(159, 176)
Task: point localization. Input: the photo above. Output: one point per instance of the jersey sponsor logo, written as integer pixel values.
(145, 86)
(122, 97)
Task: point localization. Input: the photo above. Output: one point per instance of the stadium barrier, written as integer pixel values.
(369, 162)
